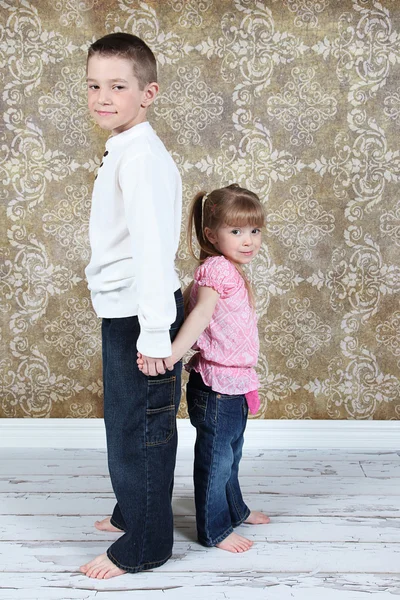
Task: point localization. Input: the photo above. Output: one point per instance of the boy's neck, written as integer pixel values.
(114, 133)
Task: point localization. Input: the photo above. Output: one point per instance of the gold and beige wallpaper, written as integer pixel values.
(299, 100)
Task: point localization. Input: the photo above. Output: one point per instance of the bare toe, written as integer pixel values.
(101, 574)
(101, 568)
(94, 572)
(235, 543)
(113, 573)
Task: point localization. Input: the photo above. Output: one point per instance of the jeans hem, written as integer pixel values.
(237, 523)
(218, 540)
(142, 567)
(115, 524)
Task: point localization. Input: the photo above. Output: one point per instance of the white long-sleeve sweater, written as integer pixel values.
(134, 234)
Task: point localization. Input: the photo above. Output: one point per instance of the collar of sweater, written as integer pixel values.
(126, 136)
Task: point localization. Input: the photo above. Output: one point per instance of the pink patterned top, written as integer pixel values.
(228, 347)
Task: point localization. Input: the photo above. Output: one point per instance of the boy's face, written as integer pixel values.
(115, 101)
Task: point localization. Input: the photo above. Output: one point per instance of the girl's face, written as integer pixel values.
(238, 244)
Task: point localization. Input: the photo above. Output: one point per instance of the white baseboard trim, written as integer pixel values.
(265, 434)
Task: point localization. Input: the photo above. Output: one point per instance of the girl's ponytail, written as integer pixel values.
(196, 222)
(200, 214)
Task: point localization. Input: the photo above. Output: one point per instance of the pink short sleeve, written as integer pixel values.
(216, 272)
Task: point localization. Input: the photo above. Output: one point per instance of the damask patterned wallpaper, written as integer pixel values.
(299, 100)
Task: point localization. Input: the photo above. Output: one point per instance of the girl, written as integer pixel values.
(222, 383)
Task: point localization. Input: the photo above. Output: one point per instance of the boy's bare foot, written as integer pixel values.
(257, 518)
(101, 568)
(105, 525)
(235, 543)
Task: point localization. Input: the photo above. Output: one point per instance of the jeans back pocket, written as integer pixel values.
(160, 413)
(197, 405)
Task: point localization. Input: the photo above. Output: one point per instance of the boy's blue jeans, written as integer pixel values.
(220, 421)
(140, 419)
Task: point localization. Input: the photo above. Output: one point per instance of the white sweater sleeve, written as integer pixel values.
(149, 190)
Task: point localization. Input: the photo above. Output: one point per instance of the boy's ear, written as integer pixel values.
(150, 93)
(210, 235)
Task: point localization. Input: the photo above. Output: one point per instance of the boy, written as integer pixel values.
(134, 234)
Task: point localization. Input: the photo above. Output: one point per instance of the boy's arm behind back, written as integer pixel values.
(150, 190)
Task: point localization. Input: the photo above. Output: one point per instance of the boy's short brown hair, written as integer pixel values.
(131, 47)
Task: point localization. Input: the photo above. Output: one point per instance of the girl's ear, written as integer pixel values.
(210, 235)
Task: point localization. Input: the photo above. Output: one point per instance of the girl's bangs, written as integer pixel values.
(246, 214)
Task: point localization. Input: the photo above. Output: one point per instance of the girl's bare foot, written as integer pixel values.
(235, 543)
(257, 518)
(101, 568)
(105, 525)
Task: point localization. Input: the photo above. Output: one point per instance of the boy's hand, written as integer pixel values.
(154, 366)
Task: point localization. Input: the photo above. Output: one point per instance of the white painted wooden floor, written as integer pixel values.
(334, 531)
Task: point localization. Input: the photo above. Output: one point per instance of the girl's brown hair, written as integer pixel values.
(233, 206)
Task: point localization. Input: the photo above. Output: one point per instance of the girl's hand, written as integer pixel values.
(140, 362)
(169, 363)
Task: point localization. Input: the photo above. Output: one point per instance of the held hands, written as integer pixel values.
(154, 366)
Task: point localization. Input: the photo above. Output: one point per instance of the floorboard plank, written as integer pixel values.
(329, 468)
(99, 504)
(185, 454)
(281, 529)
(287, 557)
(67, 586)
(293, 486)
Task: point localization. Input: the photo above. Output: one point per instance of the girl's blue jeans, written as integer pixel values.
(220, 421)
(140, 419)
